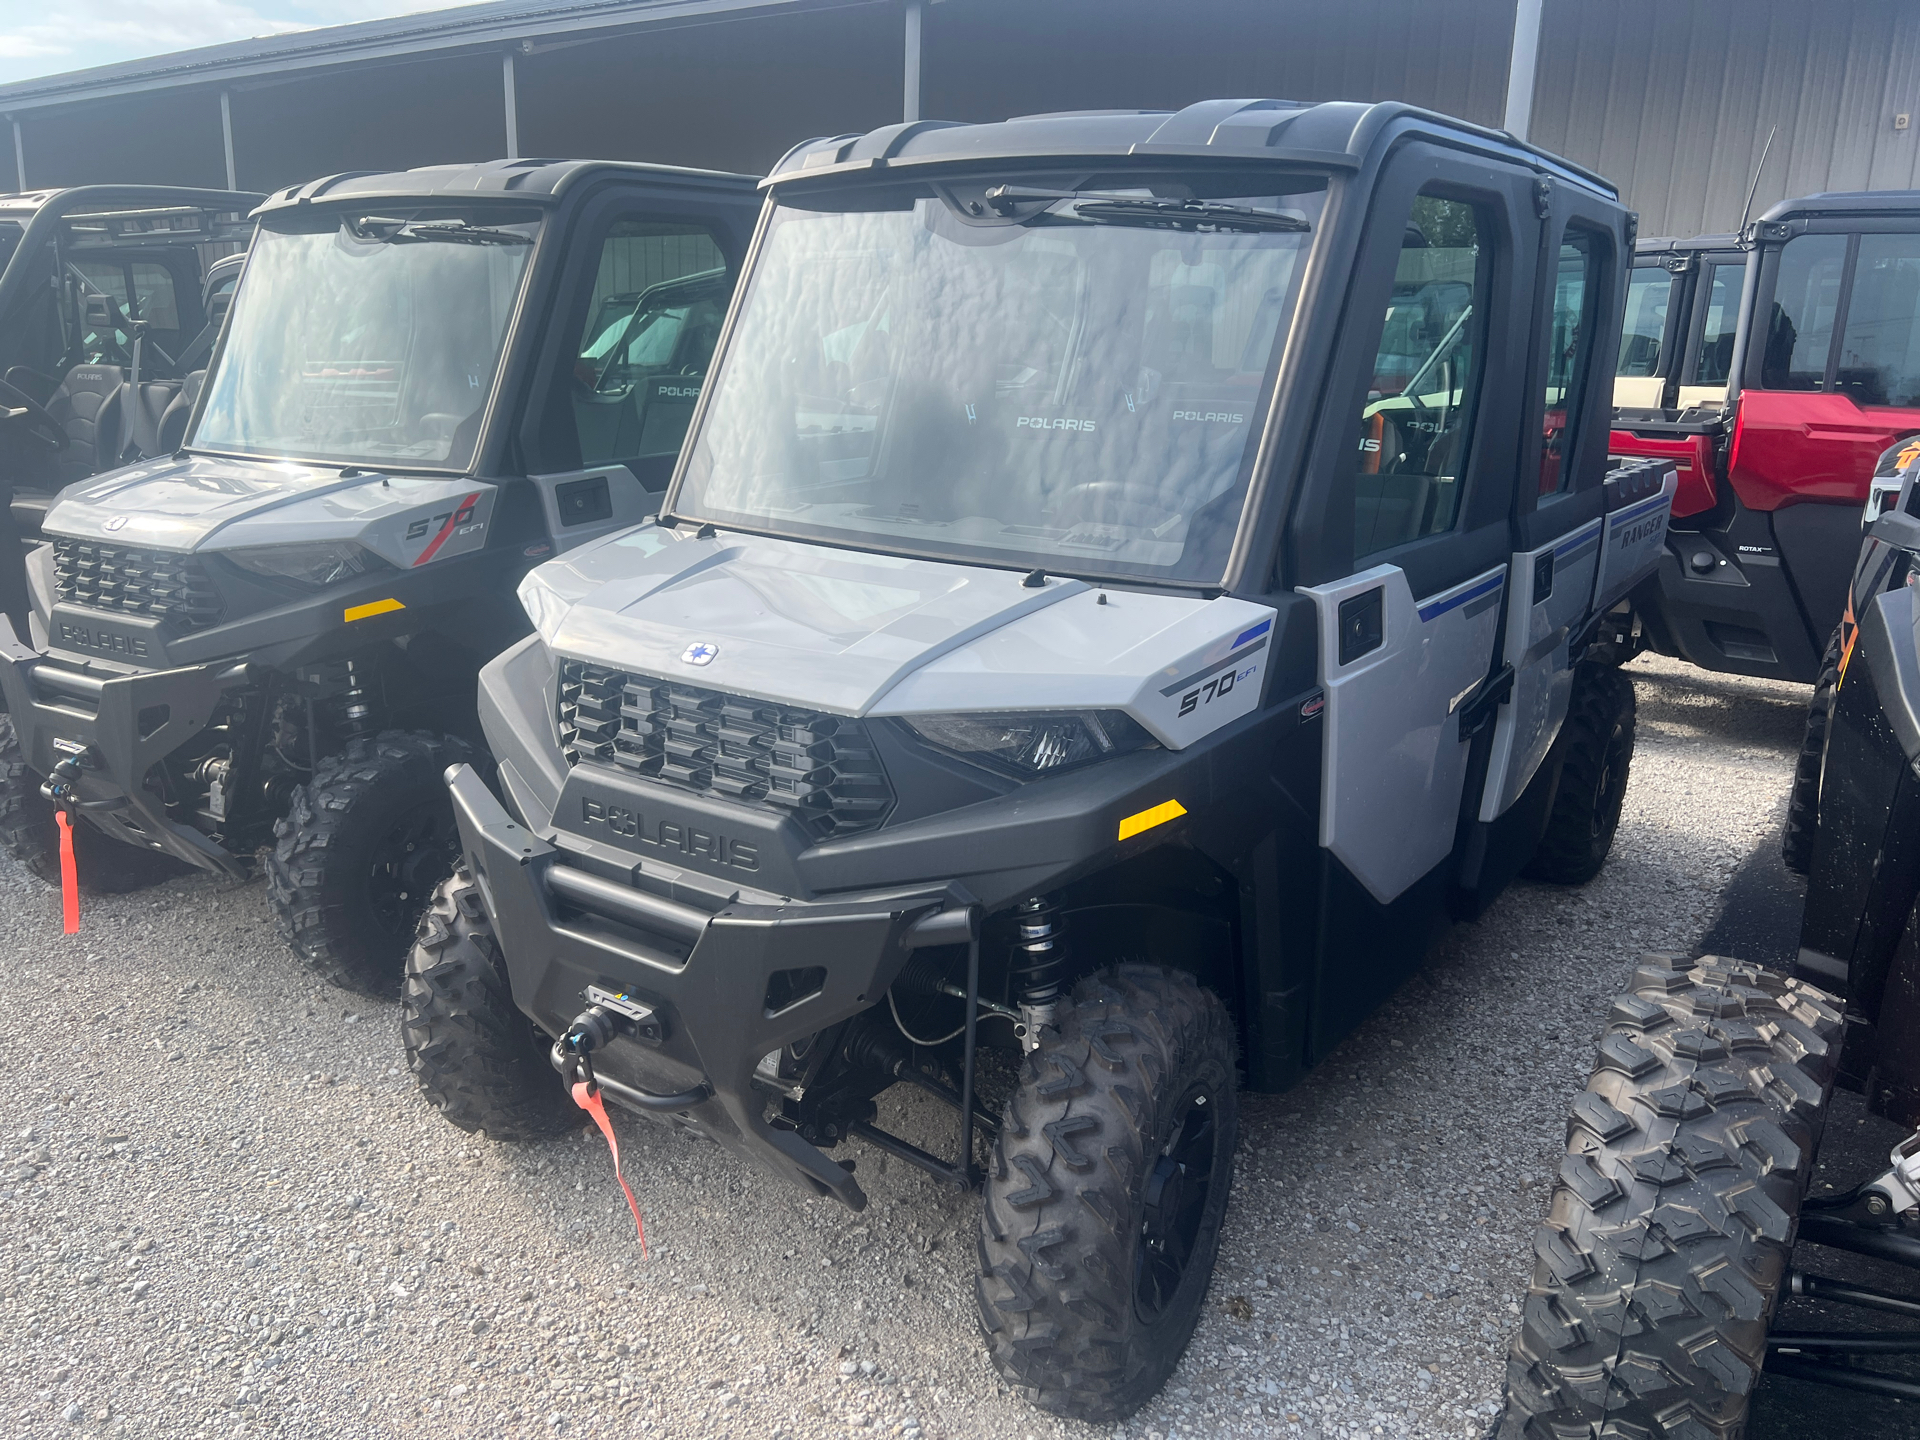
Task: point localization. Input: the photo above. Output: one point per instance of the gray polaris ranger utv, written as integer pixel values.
(269, 635)
(107, 311)
(1131, 578)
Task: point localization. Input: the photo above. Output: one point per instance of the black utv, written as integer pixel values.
(108, 309)
(1131, 579)
(1671, 1235)
(268, 636)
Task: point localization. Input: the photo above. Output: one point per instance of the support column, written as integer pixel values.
(19, 155)
(910, 106)
(226, 136)
(1520, 67)
(511, 105)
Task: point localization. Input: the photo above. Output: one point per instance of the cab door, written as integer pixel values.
(1559, 504)
(1402, 538)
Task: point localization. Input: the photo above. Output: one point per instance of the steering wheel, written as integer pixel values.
(19, 407)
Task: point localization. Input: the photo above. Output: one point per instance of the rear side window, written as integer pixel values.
(659, 296)
(1418, 415)
(1714, 363)
(1806, 300)
(1569, 346)
(1880, 347)
(1649, 290)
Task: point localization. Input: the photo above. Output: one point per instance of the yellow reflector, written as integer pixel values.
(372, 608)
(1147, 819)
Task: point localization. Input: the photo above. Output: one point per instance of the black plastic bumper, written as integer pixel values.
(121, 726)
(707, 975)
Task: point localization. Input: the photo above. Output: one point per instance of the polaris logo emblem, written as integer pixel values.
(1041, 422)
(699, 653)
(685, 841)
(118, 522)
(679, 392)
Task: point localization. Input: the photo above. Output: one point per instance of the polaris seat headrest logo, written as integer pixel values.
(1042, 422)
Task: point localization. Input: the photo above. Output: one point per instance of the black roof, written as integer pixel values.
(79, 199)
(1671, 244)
(1340, 134)
(1847, 202)
(536, 181)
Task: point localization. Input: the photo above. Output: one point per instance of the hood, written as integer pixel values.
(772, 619)
(858, 634)
(177, 504)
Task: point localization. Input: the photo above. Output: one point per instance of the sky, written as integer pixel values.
(50, 37)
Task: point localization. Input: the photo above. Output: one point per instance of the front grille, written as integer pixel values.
(163, 584)
(821, 769)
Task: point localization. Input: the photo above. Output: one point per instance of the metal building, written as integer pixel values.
(1676, 100)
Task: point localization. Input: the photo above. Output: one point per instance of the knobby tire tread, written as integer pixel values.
(1665, 1248)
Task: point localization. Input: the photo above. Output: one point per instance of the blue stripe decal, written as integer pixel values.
(1580, 537)
(1637, 511)
(1438, 608)
(1255, 633)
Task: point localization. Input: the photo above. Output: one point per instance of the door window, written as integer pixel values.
(153, 298)
(1880, 347)
(1649, 291)
(1806, 299)
(659, 296)
(1715, 361)
(1569, 344)
(1415, 422)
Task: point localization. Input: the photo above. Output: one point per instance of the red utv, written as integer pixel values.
(1775, 423)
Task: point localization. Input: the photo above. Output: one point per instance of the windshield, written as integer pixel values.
(1072, 385)
(368, 338)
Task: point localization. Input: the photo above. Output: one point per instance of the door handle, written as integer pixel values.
(1362, 623)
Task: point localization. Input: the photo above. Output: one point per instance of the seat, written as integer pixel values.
(89, 405)
(173, 423)
(144, 406)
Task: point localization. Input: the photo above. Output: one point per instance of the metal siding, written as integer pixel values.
(988, 59)
(1674, 100)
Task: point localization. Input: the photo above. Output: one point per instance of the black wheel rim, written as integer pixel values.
(1176, 1206)
(408, 861)
(1606, 802)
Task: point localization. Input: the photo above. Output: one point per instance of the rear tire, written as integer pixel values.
(1598, 741)
(104, 865)
(1661, 1260)
(1803, 801)
(1105, 1193)
(478, 1060)
(359, 852)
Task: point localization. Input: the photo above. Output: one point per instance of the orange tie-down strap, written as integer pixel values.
(587, 1097)
(69, 876)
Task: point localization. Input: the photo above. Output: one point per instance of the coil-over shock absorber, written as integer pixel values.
(356, 706)
(1038, 961)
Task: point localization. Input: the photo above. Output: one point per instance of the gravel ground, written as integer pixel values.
(225, 1211)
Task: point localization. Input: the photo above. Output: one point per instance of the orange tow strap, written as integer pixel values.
(69, 876)
(587, 1097)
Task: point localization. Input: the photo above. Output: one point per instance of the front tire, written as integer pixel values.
(1598, 741)
(477, 1059)
(104, 865)
(359, 852)
(1803, 801)
(1105, 1193)
(1661, 1260)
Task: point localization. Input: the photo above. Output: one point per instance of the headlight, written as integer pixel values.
(314, 565)
(1035, 744)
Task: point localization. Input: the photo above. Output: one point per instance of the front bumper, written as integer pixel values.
(708, 975)
(121, 725)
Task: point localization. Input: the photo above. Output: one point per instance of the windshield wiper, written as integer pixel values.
(1153, 210)
(415, 232)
